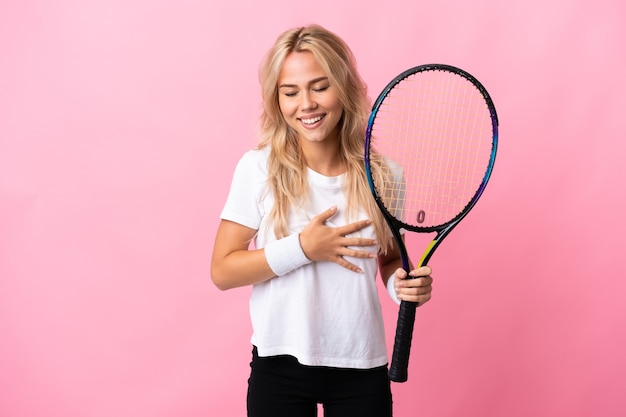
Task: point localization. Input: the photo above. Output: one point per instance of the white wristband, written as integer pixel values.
(391, 289)
(284, 255)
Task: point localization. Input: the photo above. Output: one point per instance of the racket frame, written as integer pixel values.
(406, 316)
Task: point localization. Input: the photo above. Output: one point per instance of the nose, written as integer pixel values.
(308, 102)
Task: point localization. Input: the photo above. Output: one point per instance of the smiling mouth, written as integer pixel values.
(312, 120)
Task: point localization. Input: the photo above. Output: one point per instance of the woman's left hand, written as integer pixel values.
(418, 289)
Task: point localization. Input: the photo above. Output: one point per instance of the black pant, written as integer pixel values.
(281, 387)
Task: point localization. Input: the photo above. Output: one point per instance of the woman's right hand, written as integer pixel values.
(324, 243)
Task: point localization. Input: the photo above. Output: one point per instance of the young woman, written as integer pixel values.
(319, 240)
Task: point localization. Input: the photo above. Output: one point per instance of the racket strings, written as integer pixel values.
(434, 129)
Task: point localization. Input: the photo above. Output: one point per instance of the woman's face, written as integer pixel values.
(308, 101)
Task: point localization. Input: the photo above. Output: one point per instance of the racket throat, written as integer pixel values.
(429, 250)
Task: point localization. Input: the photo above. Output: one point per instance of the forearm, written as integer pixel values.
(234, 264)
(241, 268)
(388, 269)
(389, 263)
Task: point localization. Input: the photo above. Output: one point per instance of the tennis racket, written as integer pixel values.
(430, 148)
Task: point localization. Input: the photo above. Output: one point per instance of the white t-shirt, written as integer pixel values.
(321, 313)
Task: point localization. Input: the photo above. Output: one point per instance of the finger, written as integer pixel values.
(417, 282)
(400, 274)
(357, 253)
(415, 294)
(420, 299)
(342, 262)
(354, 227)
(413, 291)
(325, 215)
(423, 271)
(358, 241)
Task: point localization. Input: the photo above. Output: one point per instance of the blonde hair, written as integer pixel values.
(286, 166)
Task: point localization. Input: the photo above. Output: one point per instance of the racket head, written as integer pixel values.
(431, 142)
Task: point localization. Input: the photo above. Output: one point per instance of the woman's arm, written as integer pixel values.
(233, 263)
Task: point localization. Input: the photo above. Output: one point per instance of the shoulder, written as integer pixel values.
(256, 157)
(254, 161)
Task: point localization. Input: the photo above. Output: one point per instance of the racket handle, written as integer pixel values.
(398, 371)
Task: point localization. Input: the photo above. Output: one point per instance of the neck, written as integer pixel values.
(323, 157)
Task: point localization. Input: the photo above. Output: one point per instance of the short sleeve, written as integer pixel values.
(244, 204)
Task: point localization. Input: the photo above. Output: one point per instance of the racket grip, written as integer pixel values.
(398, 371)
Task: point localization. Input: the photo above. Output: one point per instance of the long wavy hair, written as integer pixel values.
(286, 166)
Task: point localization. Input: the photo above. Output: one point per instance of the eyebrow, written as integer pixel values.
(314, 81)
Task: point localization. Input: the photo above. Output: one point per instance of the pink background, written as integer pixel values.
(121, 122)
